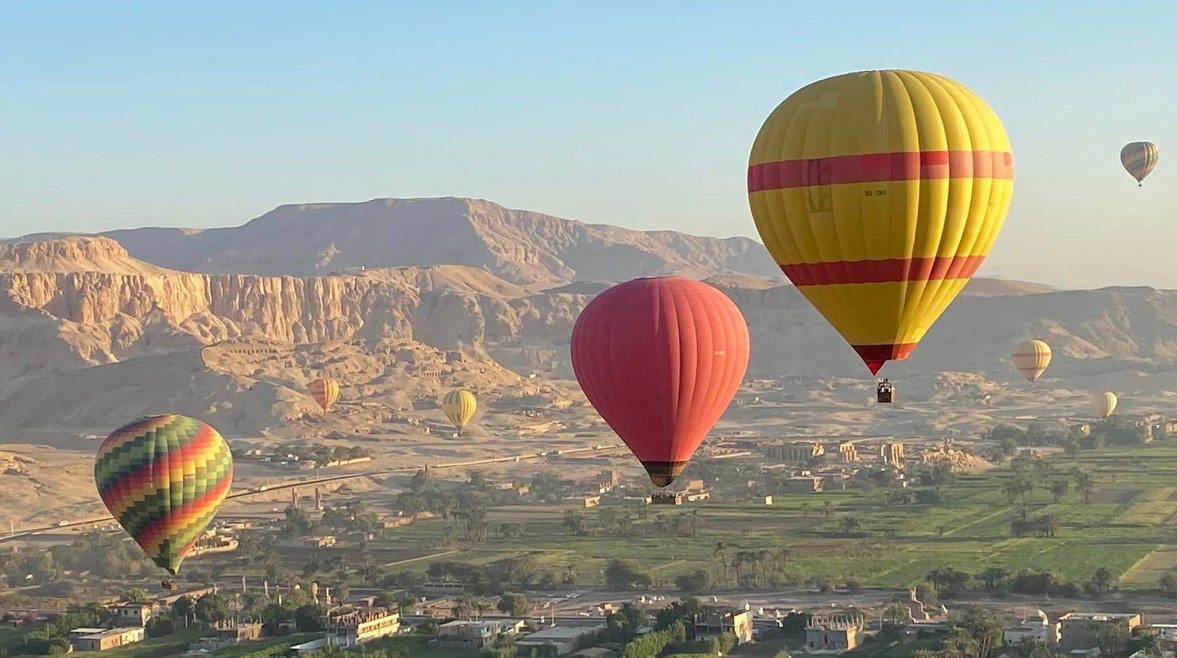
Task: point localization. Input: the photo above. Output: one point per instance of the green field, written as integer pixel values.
(1126, 528)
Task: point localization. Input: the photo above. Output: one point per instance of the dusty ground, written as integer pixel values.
(521, 416)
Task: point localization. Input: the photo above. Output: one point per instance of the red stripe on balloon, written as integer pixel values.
(880, 168)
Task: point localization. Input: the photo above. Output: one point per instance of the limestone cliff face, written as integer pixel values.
(114, 315)
(57, 311)
(400, 336)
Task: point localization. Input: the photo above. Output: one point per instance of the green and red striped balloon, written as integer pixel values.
(163, 478)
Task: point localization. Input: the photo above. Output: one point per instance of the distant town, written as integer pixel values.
(602, 566)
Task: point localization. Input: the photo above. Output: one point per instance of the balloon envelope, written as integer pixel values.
(325, 391)
(879, 193)
(163, 478)
(660, 359)
(1140, 158)
(1105, 403)
(459, 406)
(1031, 357)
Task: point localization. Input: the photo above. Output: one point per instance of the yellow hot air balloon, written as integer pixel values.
(325, 391)
(459, 406)
(1031, 357)
(879, 193)
(1105, 403)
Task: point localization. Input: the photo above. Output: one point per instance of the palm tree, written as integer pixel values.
(721, 551)
(994, 577)
(850, 525)
(784, 557)
(762, 557)
(1150, 643)
(1084, 483)
(1059, 488)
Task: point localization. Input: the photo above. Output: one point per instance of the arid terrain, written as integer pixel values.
(402, 300)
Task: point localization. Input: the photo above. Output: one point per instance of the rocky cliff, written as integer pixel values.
(89, 334)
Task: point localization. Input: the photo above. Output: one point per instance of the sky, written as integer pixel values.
(640, 114)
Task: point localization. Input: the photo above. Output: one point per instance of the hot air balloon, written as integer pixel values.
(1105, 403)
(459, 406)
(660, 359)
(325, 391)
(1139, 158)
(163, 478)
(1031, 357)
(879, 193)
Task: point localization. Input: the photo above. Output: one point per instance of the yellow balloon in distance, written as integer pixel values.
(1031, 357)
(879, 193)
(1105, 403)
(459, 406)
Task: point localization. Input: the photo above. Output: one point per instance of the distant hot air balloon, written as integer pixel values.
(1031, 357)
(879, 193)
(163, 478)
(1139, 158)
(660, 359)
(1105, 403)
(325, 391)
(459, 406)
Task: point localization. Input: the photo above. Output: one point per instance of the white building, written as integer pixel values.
(1040, 629)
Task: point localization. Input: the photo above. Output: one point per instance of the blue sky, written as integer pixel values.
(116, 114)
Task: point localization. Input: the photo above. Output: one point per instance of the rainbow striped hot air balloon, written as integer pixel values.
(1139, 158)
(163, 478)
(879, 193)
(1031, 357)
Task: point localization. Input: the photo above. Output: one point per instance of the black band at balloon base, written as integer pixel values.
(663, 473)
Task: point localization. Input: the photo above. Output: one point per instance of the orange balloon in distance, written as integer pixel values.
(325, 391)
(879, 193)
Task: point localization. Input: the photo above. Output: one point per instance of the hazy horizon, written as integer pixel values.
(144, 114)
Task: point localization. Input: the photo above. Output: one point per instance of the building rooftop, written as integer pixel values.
(113, 631)
(561, 633)
(1097, 616)
(359, 616)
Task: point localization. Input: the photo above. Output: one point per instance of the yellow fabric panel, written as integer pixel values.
(878, 112)
(864, 313)
(880, 226)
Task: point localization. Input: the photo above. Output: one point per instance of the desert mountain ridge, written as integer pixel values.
(519, 246)
(90, 336)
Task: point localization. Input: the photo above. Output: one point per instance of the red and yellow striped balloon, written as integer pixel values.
(1140, 158)
(1031, 357)
(163, 478)
(325, 391)
(879, 193)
